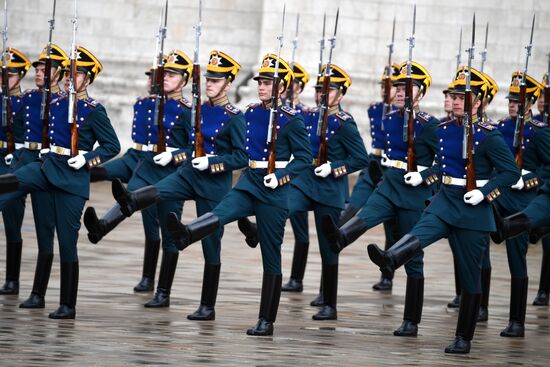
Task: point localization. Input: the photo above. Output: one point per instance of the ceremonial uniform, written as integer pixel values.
(464, 217)
(64, 177)
(149, 170)
(260, 193)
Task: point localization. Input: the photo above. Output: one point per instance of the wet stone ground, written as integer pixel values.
(113, 328)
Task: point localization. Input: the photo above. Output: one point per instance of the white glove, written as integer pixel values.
(413, 178)
(163, 158)
(473, 197)
(77, 162)
(200, 163)
(43, 152)
(323, 170)
(8, 159)
(271, 181)
(517, 186)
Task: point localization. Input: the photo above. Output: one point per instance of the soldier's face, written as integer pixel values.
(265, 87)
(399, 99)
(216, 88)
(458, 104)
(81, 82)
(448, 107)
(40, 74)
(513, 108)
(334, 97)
(173, 82)
(540, 103)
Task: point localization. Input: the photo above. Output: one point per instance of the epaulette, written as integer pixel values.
(230, 108)
(186, 102)
(486, 126)
(537, 123)
(424, 116)
(289, 110)
(91, 102)
(343, 116)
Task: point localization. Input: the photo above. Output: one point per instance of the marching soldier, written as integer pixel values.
(65, 177)
(400, 194)
(258, 192)
(465, 216)
(123, 169)
(154, 167)
(205, 179)
(17, 67)
(536, 159)
(30, 152)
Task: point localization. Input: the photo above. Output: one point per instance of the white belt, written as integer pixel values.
(140, 147)
(401, 165)
(447, 180)
(263, 164)
(154, 148)
(19, 145)
(64, 151)
(31, 145)
(525, 172)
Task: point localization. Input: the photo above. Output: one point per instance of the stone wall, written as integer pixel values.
(121, 34)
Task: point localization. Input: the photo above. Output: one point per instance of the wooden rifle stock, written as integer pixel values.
(46, 100)
(521, 121)
(7, 124)
(387, 96)
(322, 155)
(160, 98)
(470, 168)
(273, 143)
(409, 104)
(199, 138)
(74, 117)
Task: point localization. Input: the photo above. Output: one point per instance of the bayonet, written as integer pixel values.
(459, 51)
(290, 91)
(484, 52)
(322, 46)
(47, 83)
(275, 94)
(387, 81)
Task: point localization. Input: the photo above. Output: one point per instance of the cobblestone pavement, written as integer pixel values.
(112, 327)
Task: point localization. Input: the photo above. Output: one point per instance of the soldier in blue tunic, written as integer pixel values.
(259, 193)
(536, 161)
(67, 178)
(455, 213)
(206, 179)
(29, 152)
(153, 167)
(17, 67)
(122, 168)
(400, 194)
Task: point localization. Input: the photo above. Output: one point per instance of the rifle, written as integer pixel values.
(468, 140)
(273, 117)
(387, 79)
(480, 112)
(520, 119)
(290, 92)
(196, 121)
(546, 113)
(322, 46)
(157, 81)
(73, 100)
(47, 89)
(322, 122)
(6, 101)
(408, 125)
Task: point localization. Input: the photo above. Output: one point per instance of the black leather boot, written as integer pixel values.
(166, 278)
(13, 267)
(98, 174)
(536, 234)
(318, 300)
(544, 286)
(466, 325)
(386, 279)
(518, 306)
(184, 235)
(485, 290)
(41, 279)
(375, 171)
(414, 300)
(269, 304)
(150, 259)
(132, 201)
(510, 226)
(455, 303)
(68, 291)
(98, 228)
(8, 183)
(340, 238)
(210, 281)
(250, 231)
(397, 255)
(330, 293)
(299, 261)
(346, 214)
